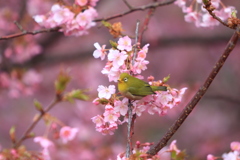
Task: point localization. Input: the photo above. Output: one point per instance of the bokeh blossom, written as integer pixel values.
(46, 144)
(195, 13)
(17, 85)
(234, 154)
(67, 133)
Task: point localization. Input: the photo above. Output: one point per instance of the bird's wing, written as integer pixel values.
(141, 90)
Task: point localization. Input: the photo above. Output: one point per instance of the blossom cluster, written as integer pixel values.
(72, 20)
(23, 50)
(200, 17)
(233, 155)
(20, 83)
(66, 134)
(120, 58)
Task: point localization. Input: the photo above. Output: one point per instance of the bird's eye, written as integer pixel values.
(125, 79)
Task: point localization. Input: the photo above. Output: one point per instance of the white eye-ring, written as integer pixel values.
(125, 79)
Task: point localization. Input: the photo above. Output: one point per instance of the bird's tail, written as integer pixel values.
(159, 88)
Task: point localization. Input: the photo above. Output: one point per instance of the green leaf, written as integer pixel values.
(61, 82)
(106, 24)
(12, 132)
(205, 1)
(38, 105)
(75, 94)
(113, 44)
(165, 79)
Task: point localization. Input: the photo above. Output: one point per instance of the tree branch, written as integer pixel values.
(25, 32)
(141, 8)
(196, 98)
(145, 24)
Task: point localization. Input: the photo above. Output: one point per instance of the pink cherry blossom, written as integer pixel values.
(46, 154)
(208, 20)
(152, 109)
(44, 142)
(231, 156)
(113, 74)
(214, 3)
(67, 133)
(225, 13)
(81, 2)
(117, 57)
(121, 106)
(106, 92)
(180, 3)
(235, 146)
(210, 157)
(40, 19)
(173, 147)
(178, 94)
(142, 53)
(4, 80)
(93, 2)
(98, 120)
(56, 17)
(139, 109)
(100, 51)
(124, 43)
(110, 115)
(193, 17)
(164, 98)
(108, 129)
(31, 77)
(140, 66)
(60, 15)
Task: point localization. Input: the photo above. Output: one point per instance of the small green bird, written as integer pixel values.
(134, 88)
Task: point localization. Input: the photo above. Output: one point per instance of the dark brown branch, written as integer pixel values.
(25, 32)
(127, 4)
(202, 90)
(141, 8)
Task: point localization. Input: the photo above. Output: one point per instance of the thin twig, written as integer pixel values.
(19, 27)
(141, 8)
(210, 10)
(127, 4)
(145, 23)
(136, 43)
(130, 116)
(196, 98)
(29, 32)
(35, 122)
(129, 128)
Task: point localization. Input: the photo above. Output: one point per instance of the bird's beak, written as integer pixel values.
(119, 80)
